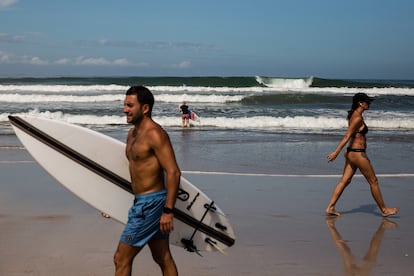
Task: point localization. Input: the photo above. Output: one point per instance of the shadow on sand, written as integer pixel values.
(367, 209)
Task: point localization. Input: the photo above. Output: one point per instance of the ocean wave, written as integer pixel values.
(60, 88)
(81, 119)
(293, 123)
(285, 83)
(258, 90)
(208, 81)
(166, 98)
(320, 82)
(44, 98)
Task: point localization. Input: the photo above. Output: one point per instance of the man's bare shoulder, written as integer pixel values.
(150, 132)
(155, 131)
(155, 135)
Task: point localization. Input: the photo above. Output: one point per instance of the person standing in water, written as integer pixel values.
(185, 116)
(356, 158)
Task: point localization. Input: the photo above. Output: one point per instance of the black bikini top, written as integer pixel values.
(363, 131)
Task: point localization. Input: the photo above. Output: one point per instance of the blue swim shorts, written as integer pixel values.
(144, 219)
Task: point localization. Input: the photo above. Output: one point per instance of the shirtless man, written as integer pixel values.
(150, 154)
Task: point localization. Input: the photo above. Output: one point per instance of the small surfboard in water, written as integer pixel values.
(94, 167)
(194, 116)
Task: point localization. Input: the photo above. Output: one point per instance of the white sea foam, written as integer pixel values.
(279, 85)
(282, 83)
(220, 107)
(43, 98)
(166, 98)
(61, 88)
(295, 123)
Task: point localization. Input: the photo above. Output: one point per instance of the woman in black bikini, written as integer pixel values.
(356, 158)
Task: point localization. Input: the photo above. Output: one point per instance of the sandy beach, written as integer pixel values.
(279, 220)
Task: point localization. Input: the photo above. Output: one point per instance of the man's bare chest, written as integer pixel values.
(138, 149)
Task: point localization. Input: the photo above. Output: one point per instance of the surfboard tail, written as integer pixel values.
(215, 246)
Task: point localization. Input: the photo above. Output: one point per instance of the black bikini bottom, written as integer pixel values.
(354, 150)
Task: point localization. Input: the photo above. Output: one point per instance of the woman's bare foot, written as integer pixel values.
(390, 211)
(330, 211)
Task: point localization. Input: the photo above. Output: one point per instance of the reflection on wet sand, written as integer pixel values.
(364, 267)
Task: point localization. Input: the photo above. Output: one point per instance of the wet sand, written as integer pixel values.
(279, 220)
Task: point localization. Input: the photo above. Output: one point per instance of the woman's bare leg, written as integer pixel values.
(348, 173)
(366, 169)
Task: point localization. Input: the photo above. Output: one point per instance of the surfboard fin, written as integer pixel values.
(189, 245)
(215, 245)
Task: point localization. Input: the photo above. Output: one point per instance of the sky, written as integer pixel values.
(353, 39)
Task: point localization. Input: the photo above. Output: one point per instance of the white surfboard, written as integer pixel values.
(94, 167)
(194, 116)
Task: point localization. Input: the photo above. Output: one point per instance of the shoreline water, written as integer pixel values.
(267, 152)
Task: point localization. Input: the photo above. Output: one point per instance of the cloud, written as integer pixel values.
(10, 38)
(182, 65)
(150, 45)
(82, 61)
(102, 61)
(91, 61)
(4, 57)
(7, 3)
(7, 58)
(33, 60)
(122, 61)
(63, 61)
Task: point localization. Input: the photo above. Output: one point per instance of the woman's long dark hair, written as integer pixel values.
(356, 99)
(351, 111)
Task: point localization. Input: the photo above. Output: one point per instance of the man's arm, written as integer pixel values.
(164, 152)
